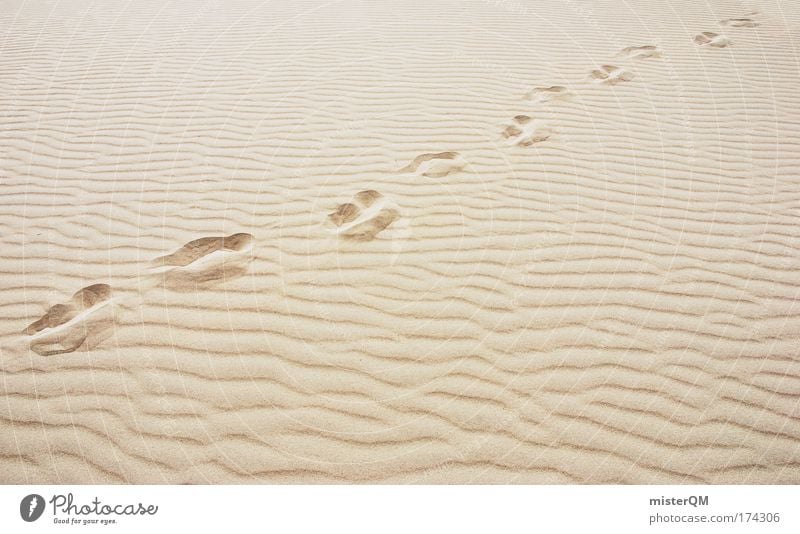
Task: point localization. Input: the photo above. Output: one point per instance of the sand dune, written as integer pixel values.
(459, 242)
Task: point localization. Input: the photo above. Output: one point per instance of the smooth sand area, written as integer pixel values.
(406, 242)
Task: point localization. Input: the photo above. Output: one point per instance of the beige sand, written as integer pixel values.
(473, 241)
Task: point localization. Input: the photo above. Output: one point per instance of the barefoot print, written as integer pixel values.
(712, 39)
(367, 215)
(524, 131)
(435, 164)
(611, 75)
(739, 23)
(83, 321)
(641, 52)
(205, 260)
(547, 94)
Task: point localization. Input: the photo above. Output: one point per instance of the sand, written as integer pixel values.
(400, 242)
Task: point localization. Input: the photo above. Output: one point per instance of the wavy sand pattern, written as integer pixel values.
(286, 242)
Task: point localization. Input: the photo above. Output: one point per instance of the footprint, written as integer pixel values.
(641, 52)
(524, 131)
(200, 248)
(83, 321)
(611, 75)
(739, 23)
(436, 165)
(546, 94)
(364, 218)
(205, 260)
(712, 39)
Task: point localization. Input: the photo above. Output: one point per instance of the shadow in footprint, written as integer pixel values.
(435, 164)
(364, 218)
(641, 52)
(83, 322)
(611, 75)
(205, 261)
(524, 131)
(712, 39)
(546, 94)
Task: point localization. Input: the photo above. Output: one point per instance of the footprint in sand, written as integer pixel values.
(712, 39)
(435, 165)
(739, 23)
(524, 131)
(368, 214)
(206, 259)
(641, 52)
(84, 321)
(546, 94)
(611, 75)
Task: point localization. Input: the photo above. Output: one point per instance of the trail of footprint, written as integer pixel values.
(524, 131)
(205, 260)
(364, 218)
(611, 75)
(546, 94)
(87, 318)
(712, 39)
(435, 165)
(641, 52)
(739, 23)
(84, 321)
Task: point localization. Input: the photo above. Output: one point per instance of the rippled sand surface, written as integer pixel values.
(410, 242)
